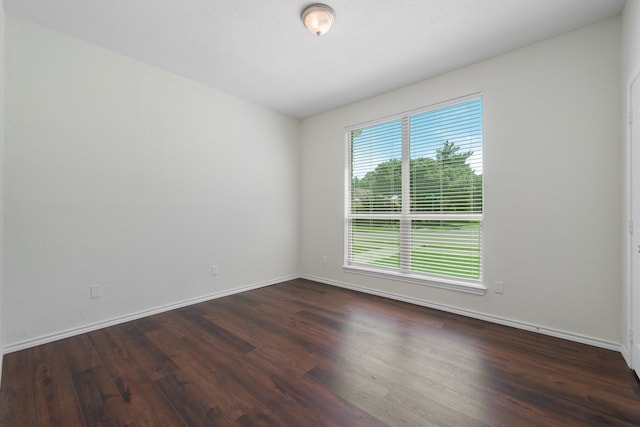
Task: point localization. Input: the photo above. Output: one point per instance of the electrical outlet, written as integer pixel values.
(95, 291)
(214, 270)
(324, 260)
(498, 287)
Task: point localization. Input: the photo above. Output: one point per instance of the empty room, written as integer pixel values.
(351, 213)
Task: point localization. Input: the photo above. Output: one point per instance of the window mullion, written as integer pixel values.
(405, 222)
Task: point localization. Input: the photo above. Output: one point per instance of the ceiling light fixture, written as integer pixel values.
(318, 18)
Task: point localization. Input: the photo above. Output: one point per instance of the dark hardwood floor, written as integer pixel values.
(305, 354)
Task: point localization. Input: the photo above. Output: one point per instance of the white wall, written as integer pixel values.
(552, 150)
(630, 67)
(121, 174)
(631, 38)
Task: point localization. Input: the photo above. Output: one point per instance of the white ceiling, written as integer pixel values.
(260, 51)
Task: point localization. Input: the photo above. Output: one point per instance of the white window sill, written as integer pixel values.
(450, 284)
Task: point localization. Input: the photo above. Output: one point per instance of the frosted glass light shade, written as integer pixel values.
(318, 18)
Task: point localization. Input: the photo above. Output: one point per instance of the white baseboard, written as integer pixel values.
(626, 355)
(570, 336)
(44, 339)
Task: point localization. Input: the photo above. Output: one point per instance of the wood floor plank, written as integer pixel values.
(54, 397)
(196, 407)
(16, 396)
(258, 329)
(304, 354)
(100, 400)
(211, 329)
(79, 354)
(142, 397)
(305, 393)
(206, 373)
(146, 354)
(254, 418)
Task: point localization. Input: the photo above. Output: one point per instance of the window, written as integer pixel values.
(414, 199)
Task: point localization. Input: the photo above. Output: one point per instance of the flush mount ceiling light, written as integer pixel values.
(318, 18)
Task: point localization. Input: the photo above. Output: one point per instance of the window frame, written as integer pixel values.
(445, 282)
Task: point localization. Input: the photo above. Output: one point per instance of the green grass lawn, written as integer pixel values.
(464, 265)
(451, 251)
(461, 266)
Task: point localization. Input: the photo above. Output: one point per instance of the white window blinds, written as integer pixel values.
(415, 193)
